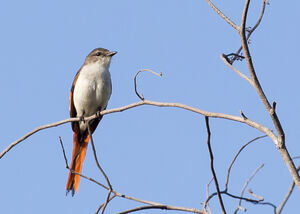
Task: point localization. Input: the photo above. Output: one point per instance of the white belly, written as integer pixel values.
(92, 91)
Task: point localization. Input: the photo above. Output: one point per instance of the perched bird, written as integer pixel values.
(90, 92)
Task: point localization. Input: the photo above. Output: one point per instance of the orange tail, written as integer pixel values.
(79, 150)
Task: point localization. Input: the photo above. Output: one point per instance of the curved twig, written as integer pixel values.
(235, 157)
(225, 191)
(254, 201)
(135, 85)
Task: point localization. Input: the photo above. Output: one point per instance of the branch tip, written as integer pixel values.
(243, 115)
(64, 153)
(260, 198)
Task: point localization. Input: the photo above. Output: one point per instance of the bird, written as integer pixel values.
(90, 92)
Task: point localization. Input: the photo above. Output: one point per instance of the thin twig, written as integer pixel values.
(255, 196)
(222, 15)
(88, 178)
(287, 196)
(243, 115)
(235, 157)
(135, 84)
(227, 179)
(106, 200)
(206, 205)
(117, 194)
(100, 207)
(100, 168)
(212, 165)
(250, 32)
(246, 184)
(140, 200)
(64, 153)
(162, 207)
(254, 201)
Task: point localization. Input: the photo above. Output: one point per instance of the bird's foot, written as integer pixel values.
(81, 119)
(98, 114)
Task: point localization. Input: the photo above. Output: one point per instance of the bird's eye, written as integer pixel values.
(98, 54)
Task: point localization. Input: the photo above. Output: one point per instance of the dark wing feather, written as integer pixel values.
(73, 112)
(94, 123)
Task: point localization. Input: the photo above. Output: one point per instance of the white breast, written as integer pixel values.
(92, 90)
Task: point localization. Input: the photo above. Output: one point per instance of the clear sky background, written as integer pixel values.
(152, 153)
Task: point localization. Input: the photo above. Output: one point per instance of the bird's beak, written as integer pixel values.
(112, 53)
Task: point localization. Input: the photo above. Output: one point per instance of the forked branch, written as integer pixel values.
(120, 195)
(279, 140)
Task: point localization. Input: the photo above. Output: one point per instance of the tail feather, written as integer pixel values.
(79, 151)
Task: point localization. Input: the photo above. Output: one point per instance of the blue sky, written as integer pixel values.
(152, 153)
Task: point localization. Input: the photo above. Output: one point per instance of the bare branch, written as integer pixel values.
(222, 15)
(158, 204)
(153, 103)
(117, 194)
(34, 131)
(254, 78)
(212, 165)
(246, 184)
(225, 192)
(280, 142)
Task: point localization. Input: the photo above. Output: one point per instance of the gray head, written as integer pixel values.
(100, 55)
